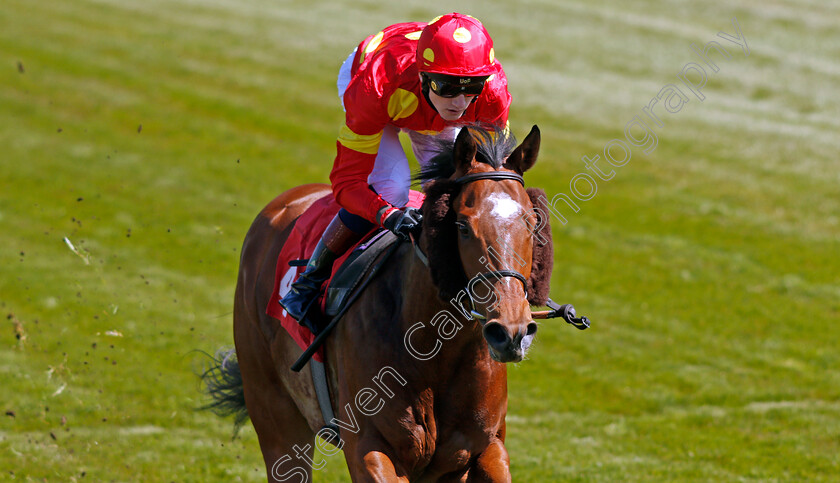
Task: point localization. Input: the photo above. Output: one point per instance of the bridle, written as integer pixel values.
(495, 274)
(492, 274)
(565, 311)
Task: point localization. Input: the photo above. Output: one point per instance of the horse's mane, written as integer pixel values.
(494, 146)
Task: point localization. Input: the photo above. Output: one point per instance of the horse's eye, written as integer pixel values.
(463, 228)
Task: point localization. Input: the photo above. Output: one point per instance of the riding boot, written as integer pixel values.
(337, 238)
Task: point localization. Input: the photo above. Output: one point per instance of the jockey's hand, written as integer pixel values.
(403, 222)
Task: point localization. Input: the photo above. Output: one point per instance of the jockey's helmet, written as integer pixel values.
(456, 45)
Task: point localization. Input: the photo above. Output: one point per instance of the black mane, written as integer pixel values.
(494, 143)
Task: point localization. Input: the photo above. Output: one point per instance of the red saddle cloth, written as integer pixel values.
(300, 245)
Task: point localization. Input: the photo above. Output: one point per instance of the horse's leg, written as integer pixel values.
(492, 465)
(373, 466)
(285, 437)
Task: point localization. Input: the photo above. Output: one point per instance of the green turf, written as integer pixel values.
(148, 134)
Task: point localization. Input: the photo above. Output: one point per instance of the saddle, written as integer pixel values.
(349, 275)
(349, 271)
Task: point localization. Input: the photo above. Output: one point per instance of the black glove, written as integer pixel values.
(404, 222)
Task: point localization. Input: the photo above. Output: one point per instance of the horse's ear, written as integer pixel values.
(525, 155)
(465, 150)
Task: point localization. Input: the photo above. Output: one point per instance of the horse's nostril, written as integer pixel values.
(531, 329)
(496, 335)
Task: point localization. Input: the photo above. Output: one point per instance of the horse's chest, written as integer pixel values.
(435, 445)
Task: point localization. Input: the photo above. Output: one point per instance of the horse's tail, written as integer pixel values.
(223, 382)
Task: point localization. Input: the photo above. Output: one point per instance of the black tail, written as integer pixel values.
(223, 382)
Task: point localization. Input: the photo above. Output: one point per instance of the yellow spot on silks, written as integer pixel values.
(435, 19)
(372, 45)
(402, 104)
(429, 55)
(492, 55)
(374, 42)
(414, 35)
(461, 35)
(490, 79)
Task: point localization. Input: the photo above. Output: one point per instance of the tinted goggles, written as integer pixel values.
(452, 86)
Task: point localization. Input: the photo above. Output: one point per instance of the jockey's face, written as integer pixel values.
(450, 108)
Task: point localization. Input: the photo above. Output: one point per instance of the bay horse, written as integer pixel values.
(419, 386)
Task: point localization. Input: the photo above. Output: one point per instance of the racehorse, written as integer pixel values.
(417, 364)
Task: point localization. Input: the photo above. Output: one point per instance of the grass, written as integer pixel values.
(150, 134)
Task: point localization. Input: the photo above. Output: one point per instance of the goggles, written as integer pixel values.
(453, 86)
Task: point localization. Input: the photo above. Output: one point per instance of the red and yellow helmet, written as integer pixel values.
(456, 45)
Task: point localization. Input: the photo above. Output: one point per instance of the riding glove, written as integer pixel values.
(404, 222)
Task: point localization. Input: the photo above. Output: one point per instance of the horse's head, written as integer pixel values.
(480, 227)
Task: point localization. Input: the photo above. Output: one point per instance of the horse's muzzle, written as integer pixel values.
(506, 346)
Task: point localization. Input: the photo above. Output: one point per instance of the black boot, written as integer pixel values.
(337, 238)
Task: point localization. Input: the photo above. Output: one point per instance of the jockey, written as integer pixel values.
(423, 79)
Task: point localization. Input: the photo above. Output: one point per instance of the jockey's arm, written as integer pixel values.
(349, 179)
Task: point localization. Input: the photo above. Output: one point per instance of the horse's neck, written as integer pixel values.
(434, 332)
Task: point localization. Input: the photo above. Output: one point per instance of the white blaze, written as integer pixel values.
(504, 206)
